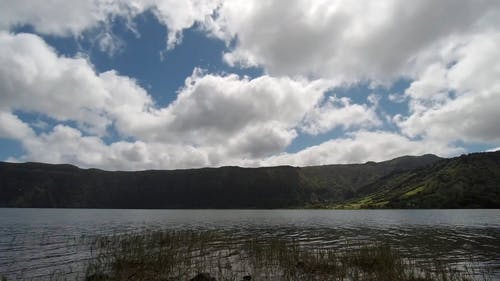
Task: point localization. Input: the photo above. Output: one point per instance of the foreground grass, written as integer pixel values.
(171, 255)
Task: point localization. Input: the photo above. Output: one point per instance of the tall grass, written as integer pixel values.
(181, 255)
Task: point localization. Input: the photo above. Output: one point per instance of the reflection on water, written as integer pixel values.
(37, 242)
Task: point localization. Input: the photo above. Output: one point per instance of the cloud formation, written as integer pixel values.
(33, 78)
(340, 112)
(458, 97)
(351, 40)
(447, 50)
(361, 146)
(215, 120)
(72, 18)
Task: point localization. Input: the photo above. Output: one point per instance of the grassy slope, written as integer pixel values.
(468, 181)
(330, 184)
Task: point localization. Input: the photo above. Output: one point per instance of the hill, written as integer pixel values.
(407, 182)
(468, 181)
(42, 185)
(333, 183)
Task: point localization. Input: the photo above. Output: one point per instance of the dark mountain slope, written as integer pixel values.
(42, 185)
(405, 182)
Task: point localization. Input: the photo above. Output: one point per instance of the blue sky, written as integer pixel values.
(216, 83)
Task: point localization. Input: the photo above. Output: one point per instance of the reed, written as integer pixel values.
(181, 255)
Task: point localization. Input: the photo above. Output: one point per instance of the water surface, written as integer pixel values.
(35, 243)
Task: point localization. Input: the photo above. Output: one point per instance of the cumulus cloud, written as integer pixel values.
(68, 145)
(65, 144)
(457, 98)
(215, 119)
(212, 106)
(362, 146)
(335, 39)
(339, 112)
(179, 15)
(351, 40)
(72, 18)
(447, 49)
(34, 79)
(57, 17)
(11, 127)
(235, 116)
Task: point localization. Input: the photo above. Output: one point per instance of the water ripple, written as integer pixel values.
(35, 243)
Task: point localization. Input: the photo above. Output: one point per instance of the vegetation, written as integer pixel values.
(184, 255)
(471, 181)
(43, 185)
(468, 181)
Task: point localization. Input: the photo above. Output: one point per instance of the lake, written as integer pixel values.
(35, 243)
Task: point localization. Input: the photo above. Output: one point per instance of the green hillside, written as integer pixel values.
(469, 181)
(327, 185)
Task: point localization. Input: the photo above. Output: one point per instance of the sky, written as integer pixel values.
(168, 84)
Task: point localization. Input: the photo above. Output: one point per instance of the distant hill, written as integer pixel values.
(426, 181)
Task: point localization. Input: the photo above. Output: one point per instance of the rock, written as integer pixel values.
(203, 277)
(247, 278)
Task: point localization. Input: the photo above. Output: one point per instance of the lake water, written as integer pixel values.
(35, 243)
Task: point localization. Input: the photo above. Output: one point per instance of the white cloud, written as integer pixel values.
(11, 127)
(236, 117)
(350, 40)
(179, 15)
(72, 18)
(260, 141)
(458, 97)
(215, 120)
(34, 79)
(67, 145)
(307, 48)
(58, 17)
(339, 112)
(110, 43)
(397, 98)
(362, 146)
(347, 40)
(212, 108)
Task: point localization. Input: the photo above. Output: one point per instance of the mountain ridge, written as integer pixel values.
(395, 183)
(217, 167)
